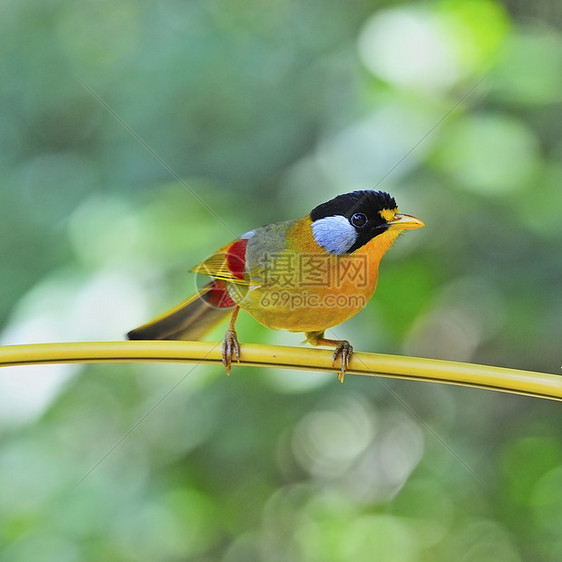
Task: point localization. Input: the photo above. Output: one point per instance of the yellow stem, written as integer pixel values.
(481, 376)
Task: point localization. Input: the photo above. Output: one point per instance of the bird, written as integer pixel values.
(302, 275)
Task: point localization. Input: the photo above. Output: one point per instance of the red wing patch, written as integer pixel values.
(218, 295)
(236, 258)
(228, 263)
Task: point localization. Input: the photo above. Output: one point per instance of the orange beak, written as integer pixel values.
(404, 222)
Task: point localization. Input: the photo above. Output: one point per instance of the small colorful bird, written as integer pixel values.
(303, 275)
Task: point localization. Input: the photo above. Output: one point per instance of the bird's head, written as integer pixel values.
(349, 221)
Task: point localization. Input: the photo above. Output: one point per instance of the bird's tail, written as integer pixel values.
(191, 319)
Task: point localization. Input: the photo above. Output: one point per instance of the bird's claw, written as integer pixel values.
(230, 349)
(345, 351)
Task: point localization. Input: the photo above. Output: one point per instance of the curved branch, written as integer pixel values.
(514, 381)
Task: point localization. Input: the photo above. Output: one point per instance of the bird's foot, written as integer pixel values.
(345, 351)
(230, 349)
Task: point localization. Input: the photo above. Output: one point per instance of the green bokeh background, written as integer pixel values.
(138, 137)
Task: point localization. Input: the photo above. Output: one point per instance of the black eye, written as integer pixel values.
(358, 220)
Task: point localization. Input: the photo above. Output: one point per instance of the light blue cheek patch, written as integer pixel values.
(334, 234)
